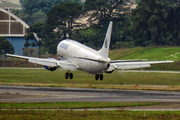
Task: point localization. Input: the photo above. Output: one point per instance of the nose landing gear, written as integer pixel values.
(97, 76)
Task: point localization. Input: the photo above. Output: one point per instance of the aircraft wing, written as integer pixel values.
(133, 65)
(50, 62)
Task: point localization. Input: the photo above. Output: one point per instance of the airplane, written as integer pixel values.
(76, 56)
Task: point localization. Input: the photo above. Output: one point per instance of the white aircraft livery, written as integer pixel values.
(76, 56)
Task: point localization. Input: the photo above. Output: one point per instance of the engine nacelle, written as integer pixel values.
(109, 72)
(50, 68)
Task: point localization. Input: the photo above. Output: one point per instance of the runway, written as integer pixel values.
(54, 94)
(170, 100)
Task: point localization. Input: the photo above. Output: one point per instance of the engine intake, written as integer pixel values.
(50, 68)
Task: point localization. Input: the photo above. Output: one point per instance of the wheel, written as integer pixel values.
(66, 75)
(71, 75)
(101, 77)
(97, 77)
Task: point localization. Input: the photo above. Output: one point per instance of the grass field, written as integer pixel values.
(116, 80)
(88, 115)
(150, 53)
(69, 105)
(57, 77)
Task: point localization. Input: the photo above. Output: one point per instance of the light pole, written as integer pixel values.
(39, 40)
(83, 1)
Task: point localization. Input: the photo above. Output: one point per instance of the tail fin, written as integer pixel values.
(104, 51)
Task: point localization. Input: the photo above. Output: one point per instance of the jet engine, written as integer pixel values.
(109, 72)
(50, 68)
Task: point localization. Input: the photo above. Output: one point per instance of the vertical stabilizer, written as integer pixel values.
(104, 51)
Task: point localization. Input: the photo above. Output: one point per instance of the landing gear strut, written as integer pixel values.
(68, 75)
(97, 76)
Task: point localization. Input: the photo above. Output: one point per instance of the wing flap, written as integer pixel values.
(43, 62)
(50, 62)
(71, 67)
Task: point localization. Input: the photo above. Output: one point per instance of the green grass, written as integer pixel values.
(88, 115)
(69, 105)
(43, 76)
(150, 53)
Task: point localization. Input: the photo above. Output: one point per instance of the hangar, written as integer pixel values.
(10, 5)
(14, 29)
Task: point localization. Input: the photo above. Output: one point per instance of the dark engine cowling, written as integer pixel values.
(50, 68)
(109, 72)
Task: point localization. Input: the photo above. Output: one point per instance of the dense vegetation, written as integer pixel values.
(152, 23)
(5, 46)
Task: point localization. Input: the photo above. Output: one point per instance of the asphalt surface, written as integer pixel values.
(54, 94)
(171, 100)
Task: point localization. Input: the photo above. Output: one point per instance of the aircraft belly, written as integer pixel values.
(92, 67)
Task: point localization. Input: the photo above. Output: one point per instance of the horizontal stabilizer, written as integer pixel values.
(133, 65)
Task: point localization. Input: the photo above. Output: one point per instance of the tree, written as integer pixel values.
(35, 28)
(60, 22)
(5, 46)
(104, 10)
(35, 10)
(26, 44)
(30, 19)
(33, 6)
(173, 24)
(88, 36)
(149, 22)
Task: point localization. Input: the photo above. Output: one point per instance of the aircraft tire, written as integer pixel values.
(97, 77)
(71, 75)
(66, 75)
(101, 77)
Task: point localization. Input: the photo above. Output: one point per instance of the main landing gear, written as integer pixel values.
(97, 76)
(68, 75)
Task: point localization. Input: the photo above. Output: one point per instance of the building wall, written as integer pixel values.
(11, 1)
(18, 44)
(14, 29)
(10, 5)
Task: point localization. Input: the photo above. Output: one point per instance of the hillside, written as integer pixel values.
(150, 53)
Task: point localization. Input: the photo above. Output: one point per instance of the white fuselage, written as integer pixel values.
(75, 52)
